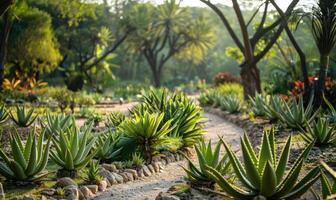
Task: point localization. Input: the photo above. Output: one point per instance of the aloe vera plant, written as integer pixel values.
(231, 103)
(145, 134)
(207, 156)
(296, 115)
(108, 143)
(28, 160)
(73, 148)
(328, 184)
(273, 107)
(331, 114)
(320, 132)
(263, 176)
(23, 117)
(114, 119)
(54, 124)
(3, 114)
(91, 174)
(257, 104)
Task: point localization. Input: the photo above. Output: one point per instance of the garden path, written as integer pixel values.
(148, 188)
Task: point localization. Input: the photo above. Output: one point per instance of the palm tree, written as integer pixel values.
(324, 32)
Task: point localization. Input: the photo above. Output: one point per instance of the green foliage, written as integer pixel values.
(145, 133)
(73, 148)
(60, 191)
(28, 160)
(257, 104)
(114, 119)
(207, 156)
(295, 114)
(263, 176)
(328, 185)
(22, 116)
(3, 114)
(32, 45)
(108, 146)
(231, 89)
(91, 174)
(331, 113)
(54, 124)
(320, 132)
(137, 160)
(61, 95)
(273, 107)
(231, 103)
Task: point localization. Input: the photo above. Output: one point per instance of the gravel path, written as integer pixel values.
(149, 187)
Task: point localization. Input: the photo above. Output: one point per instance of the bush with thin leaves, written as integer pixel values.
(295, 114)
(114, 119)
(144, 133)
(320, 132)
(328, 185)
(206, 155)
(54, 124)
(273, 107)
(231, 103)
(257, 104)
(263, 176)
(28, 160)
(108, 146)
(22, 116)
(73, 149)
(3, 114)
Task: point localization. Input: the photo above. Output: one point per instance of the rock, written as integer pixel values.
(140, 173)
(102, 185)
(156, 166)
(165, 196)
(177, 157)
(2, 193)
(71, 192)
(161, 165)
(146, 171)
(65, 181)
(108, 175)
(81, 195)
(151, 168)
(93, 188)
(87, 194)
(48, 191)
(133, 172)
(108, 182)
(118, 178)
(27, 197)
(125, 177)
(110, 167)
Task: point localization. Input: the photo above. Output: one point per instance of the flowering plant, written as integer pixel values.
(225, 77)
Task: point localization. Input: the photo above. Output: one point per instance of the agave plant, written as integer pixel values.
(28, 160)
(296, 115)
(108, 143)
(258, 103)
(23, 117)
(186, 117)
(328, 185)
(114, 119)
(320, 132)
(206, 157)
(3, 114)
(54, 124)
(273, 107)
(231, 103)
(73, 149)
(91, 174)
(144, 132)
(262, 176)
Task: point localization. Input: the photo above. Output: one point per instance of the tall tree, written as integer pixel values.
(5, 13)
(249, 71)
(167, 31)
(324, 32)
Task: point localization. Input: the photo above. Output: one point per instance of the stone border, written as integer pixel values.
(111, 176)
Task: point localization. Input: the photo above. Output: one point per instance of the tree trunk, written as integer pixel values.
(3, 45)
(250, 80)
(320, 85)
(157, 77)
